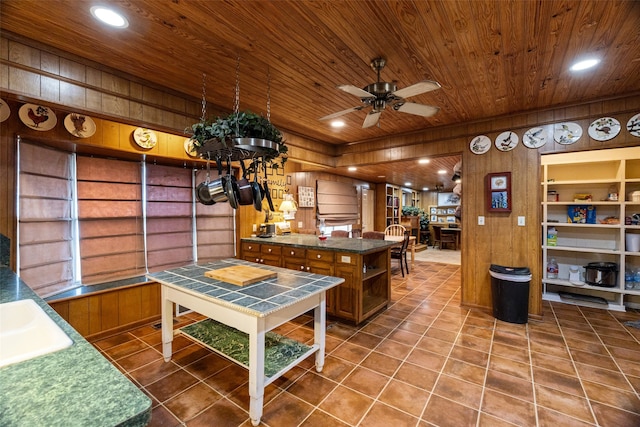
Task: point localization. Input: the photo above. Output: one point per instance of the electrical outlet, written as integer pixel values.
(299, 224)
(480, 220)
(521, 221)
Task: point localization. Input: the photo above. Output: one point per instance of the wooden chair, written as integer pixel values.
(440, 239)
(339, 233)
(400, 253)
(379, 235)
(395, 230)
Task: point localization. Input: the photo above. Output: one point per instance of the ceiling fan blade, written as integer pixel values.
(417, 89)
(354, 90)
(342, 113)
(371, 119)
(416, 109)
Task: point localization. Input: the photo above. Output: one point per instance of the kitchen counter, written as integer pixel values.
(341, 244)
(75, 386)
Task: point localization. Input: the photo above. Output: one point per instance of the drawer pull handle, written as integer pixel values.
(269, 250)
(293, 252)
(319, 256)
(308, 268)
(250, 247)
(302, 267)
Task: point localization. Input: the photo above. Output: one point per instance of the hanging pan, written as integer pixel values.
(256, 190)
(244, 188)
(202, 190)
(216, 187)
(267, 193)
(231, 186)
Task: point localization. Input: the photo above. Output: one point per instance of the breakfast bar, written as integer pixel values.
(247, 312)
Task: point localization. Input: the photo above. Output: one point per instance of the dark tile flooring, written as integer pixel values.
(423, 362)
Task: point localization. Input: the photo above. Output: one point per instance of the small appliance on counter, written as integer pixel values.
(267, 230)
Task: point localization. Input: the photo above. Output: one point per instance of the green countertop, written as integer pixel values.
(75, 386)
(341, 244)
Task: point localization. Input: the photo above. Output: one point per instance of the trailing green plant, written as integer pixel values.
(243, 124)
(416, 211)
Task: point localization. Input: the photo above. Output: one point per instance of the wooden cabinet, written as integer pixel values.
(598, 236)
(364, 291)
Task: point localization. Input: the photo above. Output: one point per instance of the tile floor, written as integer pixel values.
(423, 362)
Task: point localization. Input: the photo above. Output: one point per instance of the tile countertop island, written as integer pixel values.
(75, 386)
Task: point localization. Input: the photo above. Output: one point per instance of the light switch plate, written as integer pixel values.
(521, 221)
(299, 224)
(480, 220)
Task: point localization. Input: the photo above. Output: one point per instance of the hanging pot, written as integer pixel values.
(216, 187)
(202, 190)
(603, 274)
(256, 190)
(231, 187)
(244, 188)
(266, 188)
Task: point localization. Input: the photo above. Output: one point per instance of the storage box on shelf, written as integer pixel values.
(587, 211)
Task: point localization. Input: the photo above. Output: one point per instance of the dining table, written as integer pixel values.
(412, 244)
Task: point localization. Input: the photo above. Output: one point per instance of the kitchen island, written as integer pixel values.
(364, 264)
(75, 386)
(241, 316)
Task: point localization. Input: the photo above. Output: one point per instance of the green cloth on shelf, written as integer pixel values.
(234, 344)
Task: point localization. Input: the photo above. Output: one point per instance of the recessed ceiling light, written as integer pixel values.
(585, 64)
(109, 17)
(425, 188)
(442, 172)
(423, 161)
(381, 176)
(337, 124)
(352, 168)
(407, 184)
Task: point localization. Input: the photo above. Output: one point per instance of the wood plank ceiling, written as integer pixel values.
(491, 57)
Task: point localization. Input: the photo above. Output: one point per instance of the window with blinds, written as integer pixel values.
(45, 219)
(110, 219)
(169, 213)
(337, 203)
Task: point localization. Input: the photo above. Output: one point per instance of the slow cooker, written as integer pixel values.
(603, 274)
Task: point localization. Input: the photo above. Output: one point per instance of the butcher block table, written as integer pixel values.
(247, 311)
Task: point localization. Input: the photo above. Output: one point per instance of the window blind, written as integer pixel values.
(169, 211)
(45, 219)
(110, 219)
(215, 228)
(337, 203)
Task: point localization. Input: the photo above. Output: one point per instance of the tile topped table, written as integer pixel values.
(253, 309)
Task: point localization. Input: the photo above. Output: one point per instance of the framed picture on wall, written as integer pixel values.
(448, 199)
(498, 192)
(306, 197)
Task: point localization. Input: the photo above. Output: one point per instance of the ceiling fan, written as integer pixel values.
(377, 95)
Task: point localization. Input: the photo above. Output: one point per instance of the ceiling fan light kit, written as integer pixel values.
(377, 95)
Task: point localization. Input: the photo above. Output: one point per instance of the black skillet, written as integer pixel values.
(256, 190)
(244, 188)
(266, 188)
(231, 187)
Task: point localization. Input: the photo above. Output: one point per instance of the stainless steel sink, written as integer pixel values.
(26, 331)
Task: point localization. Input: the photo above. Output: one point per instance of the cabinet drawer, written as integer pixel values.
(346, 258)
(315, 257)
(294, 253)
(271, 250)
(250, 248)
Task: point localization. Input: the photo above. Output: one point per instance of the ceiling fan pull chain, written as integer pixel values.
(204, 98)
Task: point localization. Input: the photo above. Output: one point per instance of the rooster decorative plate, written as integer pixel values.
(507, 141)
(145, 138)
(80, 125)
(38, 117)
(5, 111)
(567, 133)
(189, 148)
(633, 125)
(535, 138)
(604, 129)
(480, 144)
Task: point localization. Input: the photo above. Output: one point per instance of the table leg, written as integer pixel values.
(167, 326)
(319, 330)
(256, 371)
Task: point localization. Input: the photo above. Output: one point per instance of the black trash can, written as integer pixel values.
(510, 293)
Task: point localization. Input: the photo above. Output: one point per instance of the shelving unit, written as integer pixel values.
(443, 214)
(597, 173)
(393, 204)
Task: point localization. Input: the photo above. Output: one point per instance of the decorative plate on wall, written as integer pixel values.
(80, 125)
(507, 141)
(38, 117)
(604, 129)
(189, 148)
(567, 133)
(5, 111)
(145, 138)
(535, 138)
(633, 125)
(480, 144)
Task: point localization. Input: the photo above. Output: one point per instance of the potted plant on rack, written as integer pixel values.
(244, 130)
(416, 217)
